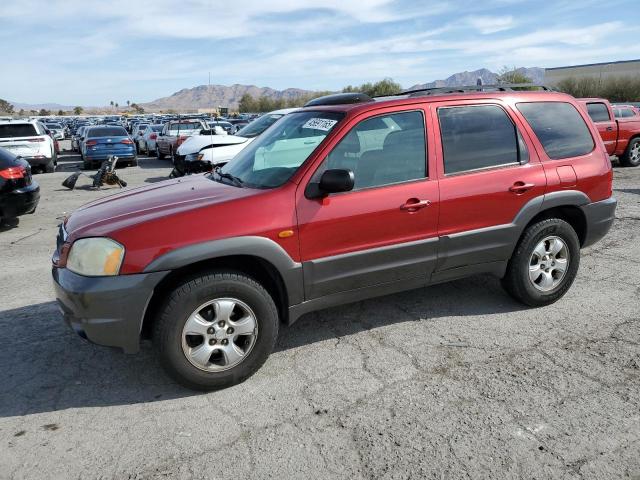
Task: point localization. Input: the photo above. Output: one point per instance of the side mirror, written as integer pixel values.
(332, 181)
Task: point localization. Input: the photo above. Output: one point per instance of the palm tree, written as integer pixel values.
(117, 105)
(128, 103)
(111, 103)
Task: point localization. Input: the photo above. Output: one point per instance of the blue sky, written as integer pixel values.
(88, 52)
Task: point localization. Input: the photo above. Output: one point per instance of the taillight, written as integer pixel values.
(126, 141)
(90, 143)
(153, 136)
(13, 173)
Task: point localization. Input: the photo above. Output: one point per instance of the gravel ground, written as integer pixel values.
(451, 381)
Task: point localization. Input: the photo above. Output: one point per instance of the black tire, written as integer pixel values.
(134, 162)
(185, 299)
(159, 154)
(627, 159)
(516, 281)
(50, 167)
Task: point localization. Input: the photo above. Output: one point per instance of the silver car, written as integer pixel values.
(137, 133)
(57, 130)
(147, 143)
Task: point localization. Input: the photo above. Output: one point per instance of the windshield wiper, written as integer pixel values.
(235, 180)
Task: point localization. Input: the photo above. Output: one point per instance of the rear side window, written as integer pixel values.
(598, 112)
(559, 127)
(17, 130)
(479, 136)
(107, 132)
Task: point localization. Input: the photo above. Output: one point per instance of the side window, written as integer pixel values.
(479, 136)
(627, 112)
(559, 127)
(598, 112)
(382, 150)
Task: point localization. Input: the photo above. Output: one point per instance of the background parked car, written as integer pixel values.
(56, 129)
(148, 141)
(103, 141)
(137, 133)
(77, 136)
(625, 111)
(174, 134)
(29, 140)
(227, 126)
(19, 193)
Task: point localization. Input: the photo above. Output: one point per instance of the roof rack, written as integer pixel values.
(339, 99)
(503, 87)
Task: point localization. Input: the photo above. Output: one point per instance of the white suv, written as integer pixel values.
(28, 139)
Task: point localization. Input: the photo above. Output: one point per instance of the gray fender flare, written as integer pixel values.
(261, 247)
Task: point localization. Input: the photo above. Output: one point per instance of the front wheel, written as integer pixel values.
(544, 264)
(215, 330)
(631, 156)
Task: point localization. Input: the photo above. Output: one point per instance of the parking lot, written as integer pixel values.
(452, 381)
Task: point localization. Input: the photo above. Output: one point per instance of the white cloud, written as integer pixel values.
(491, 24)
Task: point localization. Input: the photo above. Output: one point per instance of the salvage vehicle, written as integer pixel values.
(29, 139)
(621, 136)
(345, 199)
(56, 129)
(174, 133)
(99, 143)
(202, 153)
(19, 193)
(625, 111)
(148, 142)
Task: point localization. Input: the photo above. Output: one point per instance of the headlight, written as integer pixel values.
(192, 157)
(95, 257)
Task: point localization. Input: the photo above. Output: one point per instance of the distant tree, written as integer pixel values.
(78, 110)
(512, 75)
(21, 112)
(44, 112)
(117, 105)
(378, 89)
(33, 112)
(112, 103)
(247, 104)
(60, 113)
(128, 103)
(137, 108)
(615, 89)
(6, 107)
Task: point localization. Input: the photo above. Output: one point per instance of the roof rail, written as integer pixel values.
(503, 87)
(339, 99)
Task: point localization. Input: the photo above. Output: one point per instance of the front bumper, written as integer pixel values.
(599, 217)
(106, 310)
(20, 201)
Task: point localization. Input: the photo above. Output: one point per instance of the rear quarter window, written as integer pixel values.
(17, 130)
(559, 127)
(598, 112)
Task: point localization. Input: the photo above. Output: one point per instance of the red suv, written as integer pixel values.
(345, 199)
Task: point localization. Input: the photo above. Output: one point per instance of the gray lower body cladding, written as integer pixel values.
(105, 310)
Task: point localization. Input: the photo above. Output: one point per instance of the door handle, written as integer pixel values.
(521, 187)
(609, 129)
(415, 204)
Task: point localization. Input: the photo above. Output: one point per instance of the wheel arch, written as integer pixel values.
(257, 257)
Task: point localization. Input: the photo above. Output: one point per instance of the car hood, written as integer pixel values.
(217, 155)
(197, 142)
(139, 205)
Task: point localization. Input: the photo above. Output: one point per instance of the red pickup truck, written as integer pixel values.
(621, 136)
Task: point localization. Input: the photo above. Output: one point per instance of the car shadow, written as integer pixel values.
(156, 179)
(46, 367)
(628, 190)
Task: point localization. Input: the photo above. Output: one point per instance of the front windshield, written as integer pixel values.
(259, 125)
(271, 159)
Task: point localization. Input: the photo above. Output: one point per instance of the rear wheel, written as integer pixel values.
(631, 157)
(544, 264)
(215, 330)
(159, 154)
(134, 162)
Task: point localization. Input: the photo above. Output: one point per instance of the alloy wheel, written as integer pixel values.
(219, 334)
(548, 263)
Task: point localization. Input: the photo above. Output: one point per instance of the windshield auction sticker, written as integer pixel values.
(325, 124)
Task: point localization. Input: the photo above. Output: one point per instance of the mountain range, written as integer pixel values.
(212, 96)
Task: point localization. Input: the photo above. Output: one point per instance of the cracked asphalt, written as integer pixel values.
(451, 381)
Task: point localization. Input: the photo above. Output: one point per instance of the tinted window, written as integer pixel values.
(627, 112)
(382, 150)
(107, 132)
(185, 126)
(598, 112)
(476, 137)
(17, 130)
(258, 126)
(559, 127)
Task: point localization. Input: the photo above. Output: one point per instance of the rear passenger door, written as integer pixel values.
(601, 116)
(487, 174)
(384, 231)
